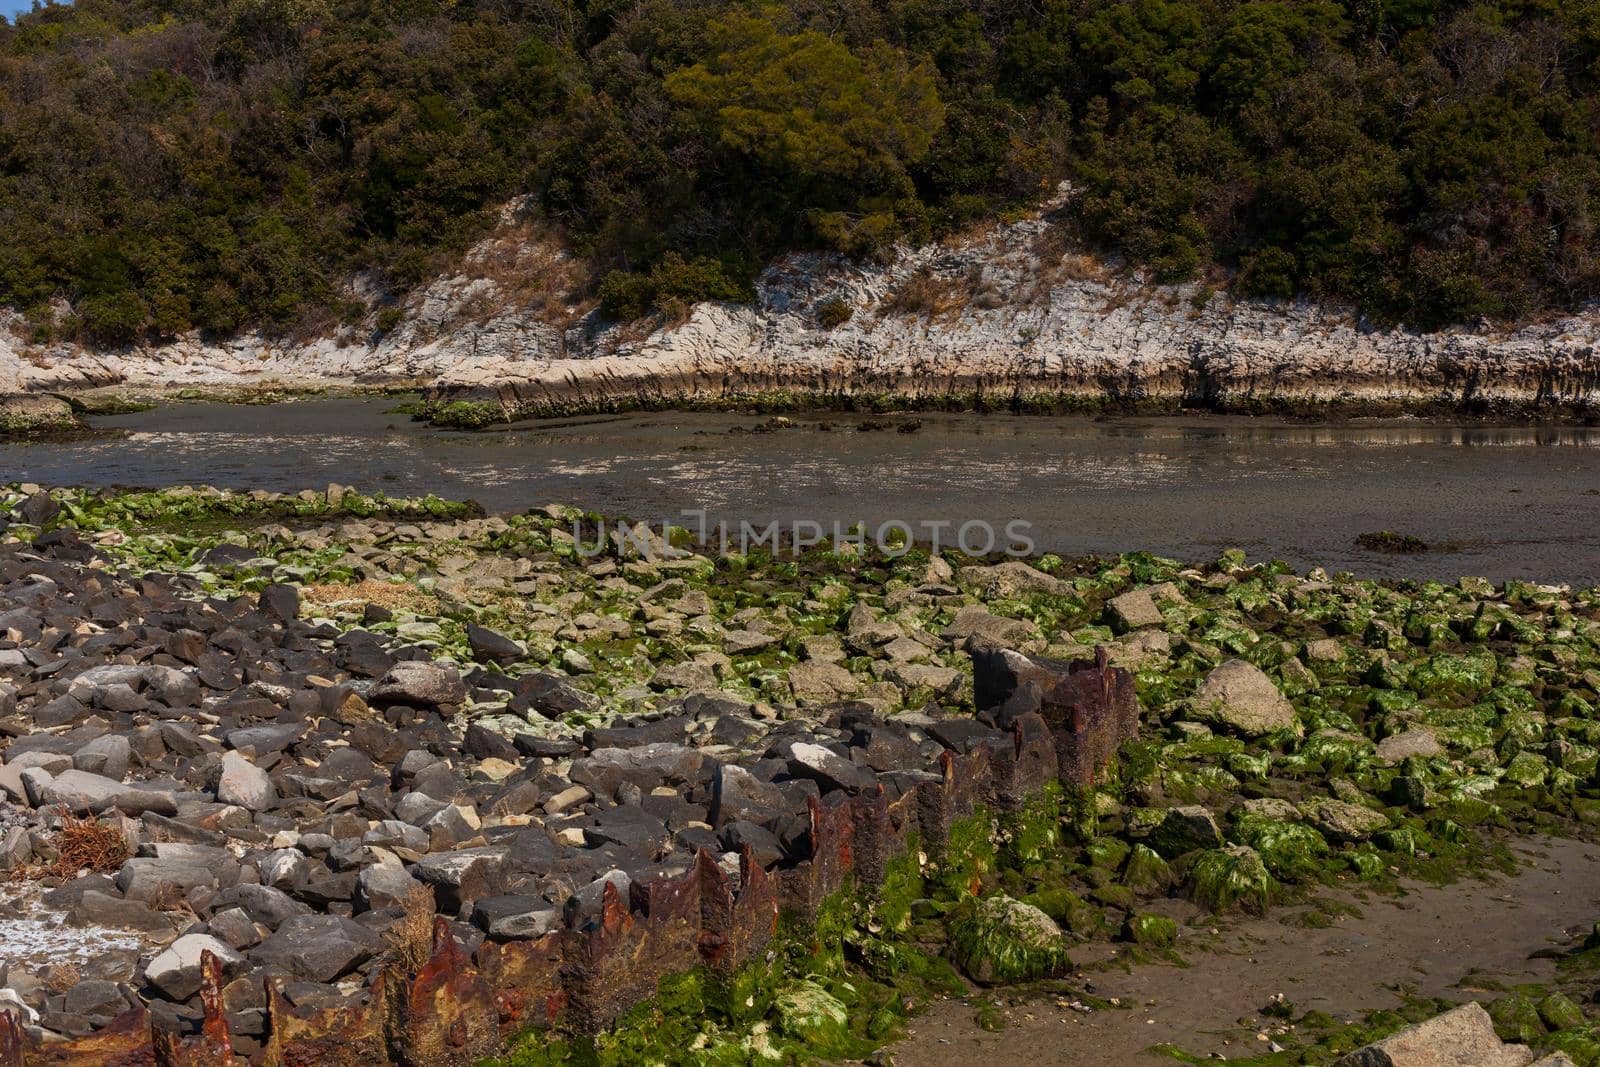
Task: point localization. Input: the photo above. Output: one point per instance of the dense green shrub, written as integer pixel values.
(176, 164)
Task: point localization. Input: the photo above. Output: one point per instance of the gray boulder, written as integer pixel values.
(245, 784)
(107, 755)
(647, 766)
(1134, 609)
(1418, 741)
(1462, 1037)
(176, 971)
(419, 684)
(318, 948)
(1239, 697)
(83, 793)
(383, 885)
(465, 875)
(1344, 823)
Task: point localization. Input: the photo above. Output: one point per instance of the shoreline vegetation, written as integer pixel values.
(168, 167)
(633, 717)
(58, 414)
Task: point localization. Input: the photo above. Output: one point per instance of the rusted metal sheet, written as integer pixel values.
(1020, 769)
(341, 1036)
(736, 925)
(447, 1013)
(10, 1041)
(877, 839)
(1091, 711)
(124, 1042)
(618, 962)
(212, 1046)
(963, 784)
(526, 979)
(803, 888)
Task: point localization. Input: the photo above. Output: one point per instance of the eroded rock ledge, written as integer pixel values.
(1008, 320)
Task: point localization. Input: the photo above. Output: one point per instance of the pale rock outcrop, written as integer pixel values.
(1028, 321)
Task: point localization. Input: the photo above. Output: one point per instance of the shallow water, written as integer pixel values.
(1518, 502)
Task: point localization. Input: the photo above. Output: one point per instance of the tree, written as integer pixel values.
(807, 107)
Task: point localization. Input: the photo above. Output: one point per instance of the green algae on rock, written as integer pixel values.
(1230, 877)
(999, 939)
(32, 414)
(1500, 684)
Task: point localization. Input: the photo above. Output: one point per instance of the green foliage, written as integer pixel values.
(808, 108)
(167, 165)
(670, 287)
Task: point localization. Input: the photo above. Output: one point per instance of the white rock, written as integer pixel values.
(245, 784)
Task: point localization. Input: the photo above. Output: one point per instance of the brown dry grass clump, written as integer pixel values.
(932, 296)
(388, 595)
(86, 844)
(411, 938)
(531, 268)
(60, 977)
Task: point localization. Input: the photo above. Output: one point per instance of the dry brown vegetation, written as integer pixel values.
(390, 595)
(939, 298)
(60, 977)
(86, 844)
(532, 270)
(411, 938)
(1056, 261)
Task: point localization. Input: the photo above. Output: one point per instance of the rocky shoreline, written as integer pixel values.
(386, 777)
(1010, 319)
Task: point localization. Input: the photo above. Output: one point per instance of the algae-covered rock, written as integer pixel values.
(1527, 770)
(1231, 877)
(1146, 871)
(1516, 1018)
(1559, 1012)
(28, 413)
(1239, 697)
(1151, 931)
(1002, 939)
(1068, 909)
(1291, 850)
(1454, 674)
(1343, 822)
(809, 1013)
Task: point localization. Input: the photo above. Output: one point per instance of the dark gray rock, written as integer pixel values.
(175, 972)
(1186, 829)
(647, 767)
(318, 948)
(280, 602)
(465, 875)
(384, 885)
(419, 684)
(491, 647)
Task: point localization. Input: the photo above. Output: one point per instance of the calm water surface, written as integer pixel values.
(1519, 502)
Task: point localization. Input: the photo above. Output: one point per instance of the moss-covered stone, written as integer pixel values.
(1146, 871)
(1234, 876)
(1150, 931)
(1001, 939)
(1516, 1018)
(1292, 851)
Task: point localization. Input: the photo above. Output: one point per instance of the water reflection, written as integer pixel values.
(1523, 501)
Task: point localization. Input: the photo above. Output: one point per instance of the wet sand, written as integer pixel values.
(1516, 502)
(1434, 941)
